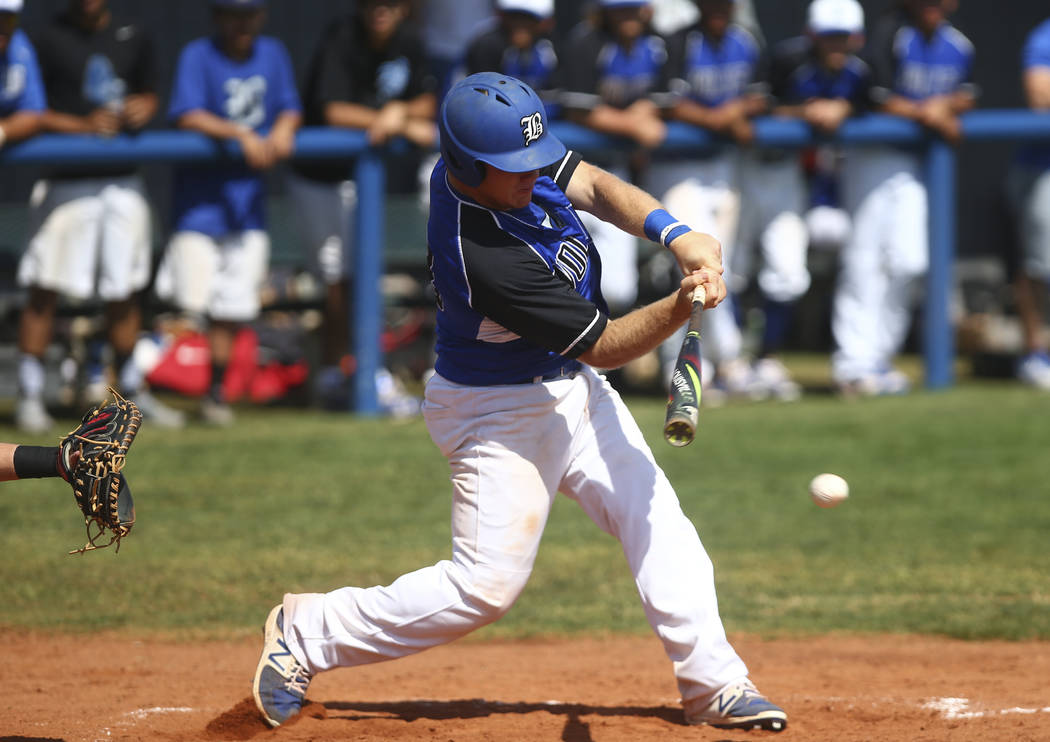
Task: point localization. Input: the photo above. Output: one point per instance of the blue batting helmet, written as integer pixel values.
(493, 119)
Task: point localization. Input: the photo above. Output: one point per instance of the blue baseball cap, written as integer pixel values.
(623, 3)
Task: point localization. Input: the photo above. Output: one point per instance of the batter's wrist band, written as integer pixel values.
(663, 228)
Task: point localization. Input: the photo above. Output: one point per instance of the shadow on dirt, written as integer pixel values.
(478, 707)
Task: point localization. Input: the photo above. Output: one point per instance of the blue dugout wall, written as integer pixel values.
(370, 173)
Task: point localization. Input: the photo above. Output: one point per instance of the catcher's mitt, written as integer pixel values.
(90, 459)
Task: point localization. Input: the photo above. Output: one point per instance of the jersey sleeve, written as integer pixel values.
(511, 285)
(660, 89)
(580, 71)
(782, 63)
(145, 77)
(421, 80)
(485, 53)
(674, 70)
(33, 96)
(758, 56)
(1037, 48)
(332, 73)
(561, 171)
(881, 59)
(188, 88)
(287, 98)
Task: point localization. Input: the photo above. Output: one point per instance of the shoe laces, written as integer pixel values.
(298, 680)
(744, 691)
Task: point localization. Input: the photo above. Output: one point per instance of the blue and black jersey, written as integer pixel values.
(796, 76)
(599, 70)
(518, 291)
(908, 64)
(536, 66)
(23, 87)
(714, 71)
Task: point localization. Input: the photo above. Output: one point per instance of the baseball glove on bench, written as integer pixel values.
(91, 458)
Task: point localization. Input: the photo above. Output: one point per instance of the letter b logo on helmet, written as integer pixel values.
(532, 127)
(497, 120)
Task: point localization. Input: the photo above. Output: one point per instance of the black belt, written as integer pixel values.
(564, 372)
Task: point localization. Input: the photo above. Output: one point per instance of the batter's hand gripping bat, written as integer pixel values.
(683, 404)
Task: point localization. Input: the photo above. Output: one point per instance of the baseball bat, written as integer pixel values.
(683, 404)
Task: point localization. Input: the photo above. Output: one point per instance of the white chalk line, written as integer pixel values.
(952, 708)
(138, 715)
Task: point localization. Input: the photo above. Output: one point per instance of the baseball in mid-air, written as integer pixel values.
(828, 490)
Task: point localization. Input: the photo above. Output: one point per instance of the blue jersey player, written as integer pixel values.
(22, 98)
(922, 69)
(520, 46)
(1030, 190)
(520, 414)
(240, 86)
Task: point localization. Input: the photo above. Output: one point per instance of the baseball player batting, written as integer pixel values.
(520, 414)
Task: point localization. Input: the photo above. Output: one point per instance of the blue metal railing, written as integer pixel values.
(369, 171)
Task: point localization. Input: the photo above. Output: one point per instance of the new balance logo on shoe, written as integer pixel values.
(273, 656)
(740, 706)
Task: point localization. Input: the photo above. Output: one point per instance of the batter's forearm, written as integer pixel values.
(637, 333)
(611, 199)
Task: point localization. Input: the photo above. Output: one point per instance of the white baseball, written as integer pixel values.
(828, 490)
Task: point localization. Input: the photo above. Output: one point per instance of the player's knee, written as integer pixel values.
(908, 266)
(493, 592)
(784, 287)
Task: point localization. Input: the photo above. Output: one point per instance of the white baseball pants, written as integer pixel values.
(325, 214)
(83, 228)
(511, 449)
(703, 194)
(883, 262)
(221, 278)
(773, 199)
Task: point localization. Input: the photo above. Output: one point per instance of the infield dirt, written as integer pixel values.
(110, 687)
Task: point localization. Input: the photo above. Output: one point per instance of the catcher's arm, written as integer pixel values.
(7, 462)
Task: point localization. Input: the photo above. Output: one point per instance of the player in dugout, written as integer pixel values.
(520, 413)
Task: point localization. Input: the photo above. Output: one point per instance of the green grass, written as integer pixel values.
(947, 529)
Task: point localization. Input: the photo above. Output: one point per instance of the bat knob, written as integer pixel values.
(679, 433)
